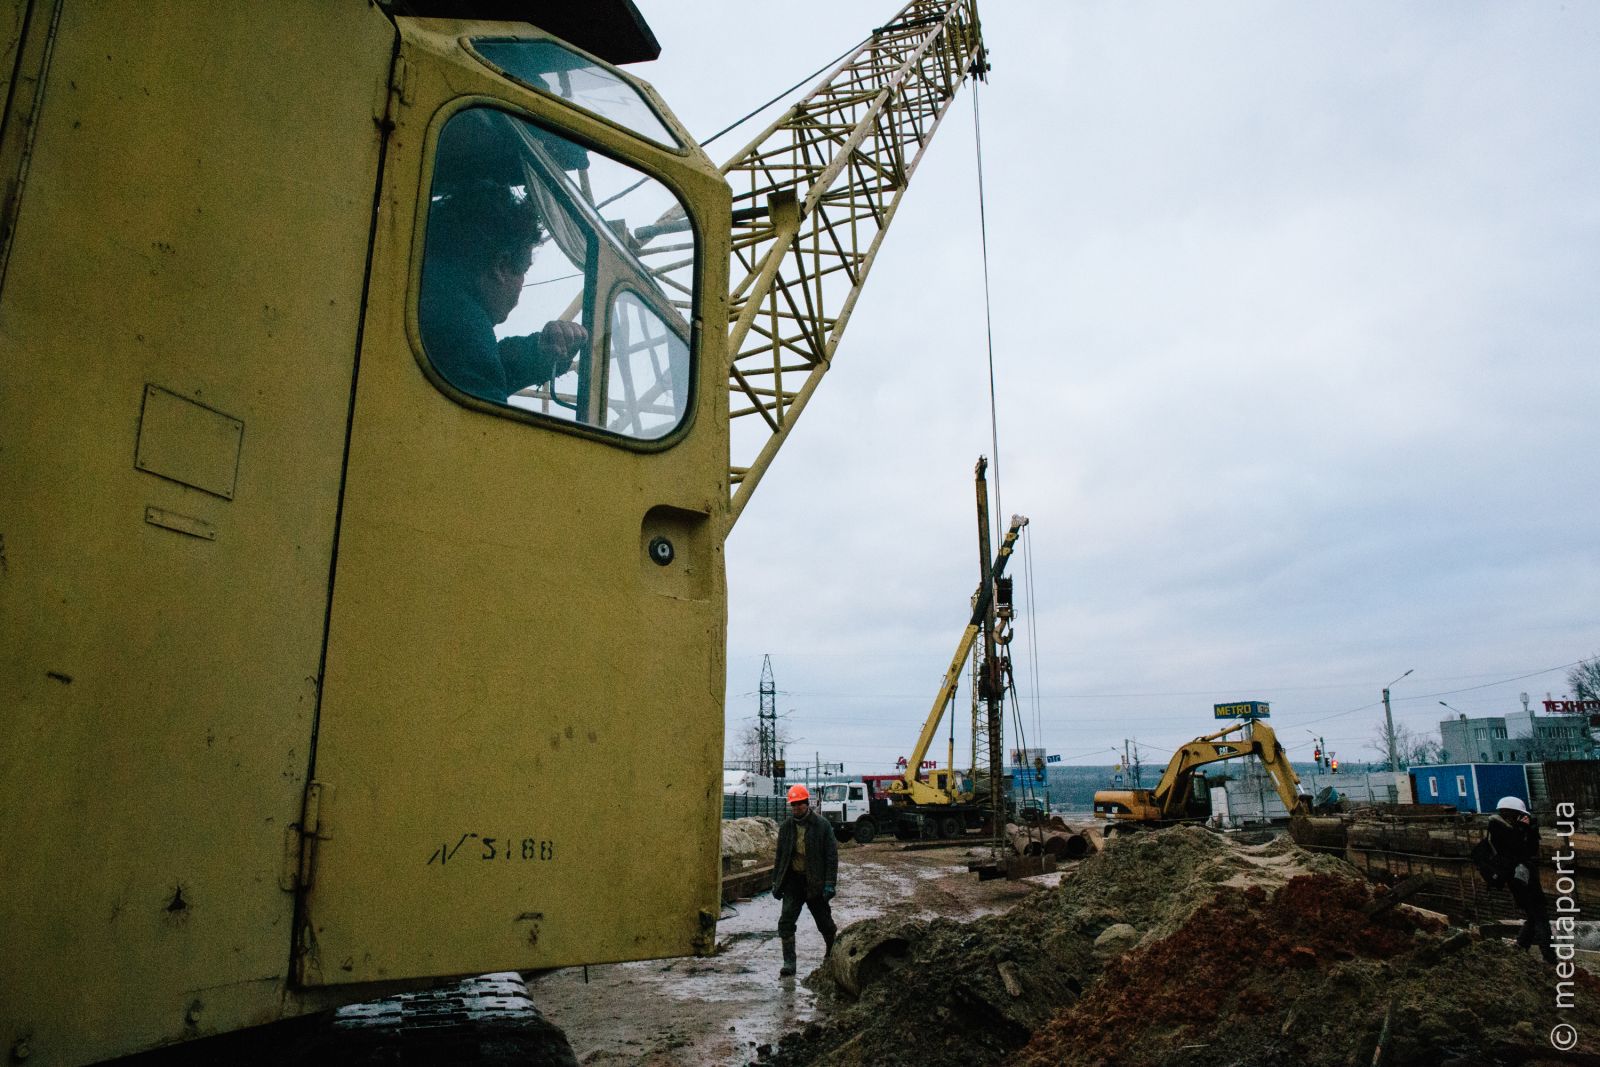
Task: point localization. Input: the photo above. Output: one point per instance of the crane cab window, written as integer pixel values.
(545, 286)
(833, 792)
(550, 68)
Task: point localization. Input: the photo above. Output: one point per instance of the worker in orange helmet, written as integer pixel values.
(807, 867)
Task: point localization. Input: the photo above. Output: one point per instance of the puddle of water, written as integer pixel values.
(717, 1011)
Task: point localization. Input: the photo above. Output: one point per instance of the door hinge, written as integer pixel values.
(399, 94)
(300, 843)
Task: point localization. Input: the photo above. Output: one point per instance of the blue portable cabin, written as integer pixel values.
(1470, 786)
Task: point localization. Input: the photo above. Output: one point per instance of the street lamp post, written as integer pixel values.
(1388, 721)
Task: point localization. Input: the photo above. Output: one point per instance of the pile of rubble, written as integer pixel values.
(1186, 947)
(755, 838)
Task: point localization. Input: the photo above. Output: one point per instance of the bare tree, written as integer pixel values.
(1410, 747)
(1584, 679)
(744, 749)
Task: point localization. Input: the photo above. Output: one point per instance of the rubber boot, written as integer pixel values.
(789, 964)
(827, 945)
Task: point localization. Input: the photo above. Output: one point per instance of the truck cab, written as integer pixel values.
(845, 805)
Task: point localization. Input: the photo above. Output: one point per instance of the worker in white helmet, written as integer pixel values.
(1514, 837)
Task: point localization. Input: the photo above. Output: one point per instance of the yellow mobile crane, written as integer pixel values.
(1181, 795)
(942, 805)
(365, 468)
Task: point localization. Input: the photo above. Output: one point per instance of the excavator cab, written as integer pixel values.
(1196, 805)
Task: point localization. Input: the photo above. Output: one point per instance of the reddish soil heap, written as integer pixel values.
(1248, 955)
(1230, 958)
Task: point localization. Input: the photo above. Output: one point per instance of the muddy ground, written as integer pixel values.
(1175, 947)
(728, 1008)
(1188, 947)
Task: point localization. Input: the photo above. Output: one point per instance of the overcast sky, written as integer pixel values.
(1296, 310)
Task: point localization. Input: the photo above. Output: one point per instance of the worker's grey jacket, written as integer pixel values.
(822, 854)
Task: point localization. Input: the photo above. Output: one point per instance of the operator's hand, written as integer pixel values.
(827, 891)
(1522, 874)
(561, 341)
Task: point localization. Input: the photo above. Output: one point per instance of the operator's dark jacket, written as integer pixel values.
(822, 854)
(1513, 844)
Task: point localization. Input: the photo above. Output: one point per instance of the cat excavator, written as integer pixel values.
(310, 632)
(1182, 795)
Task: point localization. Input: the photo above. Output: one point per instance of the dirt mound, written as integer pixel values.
(1305, 976)
(752, 838)
(951, 995)
(1246, 954)
(1153, 881)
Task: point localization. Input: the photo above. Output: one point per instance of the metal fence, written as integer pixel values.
(1440, 847)
(743, 805)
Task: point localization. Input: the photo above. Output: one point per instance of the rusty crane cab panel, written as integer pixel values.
(363, 446)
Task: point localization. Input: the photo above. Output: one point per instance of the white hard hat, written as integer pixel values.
(1512, 804)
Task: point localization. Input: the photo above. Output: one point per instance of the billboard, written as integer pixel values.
(1243, 709)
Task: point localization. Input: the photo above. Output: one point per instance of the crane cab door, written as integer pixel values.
(520, 730)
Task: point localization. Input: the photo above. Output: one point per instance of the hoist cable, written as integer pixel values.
(988, 311)
(736, 123)
(820, 70)
(1033, 632)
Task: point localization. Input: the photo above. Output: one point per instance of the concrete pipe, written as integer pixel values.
(867, 951)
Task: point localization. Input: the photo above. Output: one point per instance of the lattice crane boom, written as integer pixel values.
(813, 196)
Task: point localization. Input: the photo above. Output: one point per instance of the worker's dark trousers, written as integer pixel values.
(794, 895)
(1536, 924)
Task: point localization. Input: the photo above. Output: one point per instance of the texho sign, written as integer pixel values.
(1572, 707)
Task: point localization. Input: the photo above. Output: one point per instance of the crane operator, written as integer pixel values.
(482, 230)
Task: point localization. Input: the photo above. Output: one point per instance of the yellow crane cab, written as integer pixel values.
(364, 476)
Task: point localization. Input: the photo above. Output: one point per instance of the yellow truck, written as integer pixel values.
(364, 476)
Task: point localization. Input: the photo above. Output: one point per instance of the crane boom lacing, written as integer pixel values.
(813, 195)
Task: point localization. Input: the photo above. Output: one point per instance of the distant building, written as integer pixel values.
(1519, 737)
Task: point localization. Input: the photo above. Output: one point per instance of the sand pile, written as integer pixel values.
(1185, 947)
(752, 838)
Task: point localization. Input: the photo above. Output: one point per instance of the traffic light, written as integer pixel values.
(1335, 766)
(1316, 756)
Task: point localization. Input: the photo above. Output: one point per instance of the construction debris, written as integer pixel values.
(1183, 946)
(749, 847)
(754, 839)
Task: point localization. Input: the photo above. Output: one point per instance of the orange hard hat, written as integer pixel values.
(797, 793)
